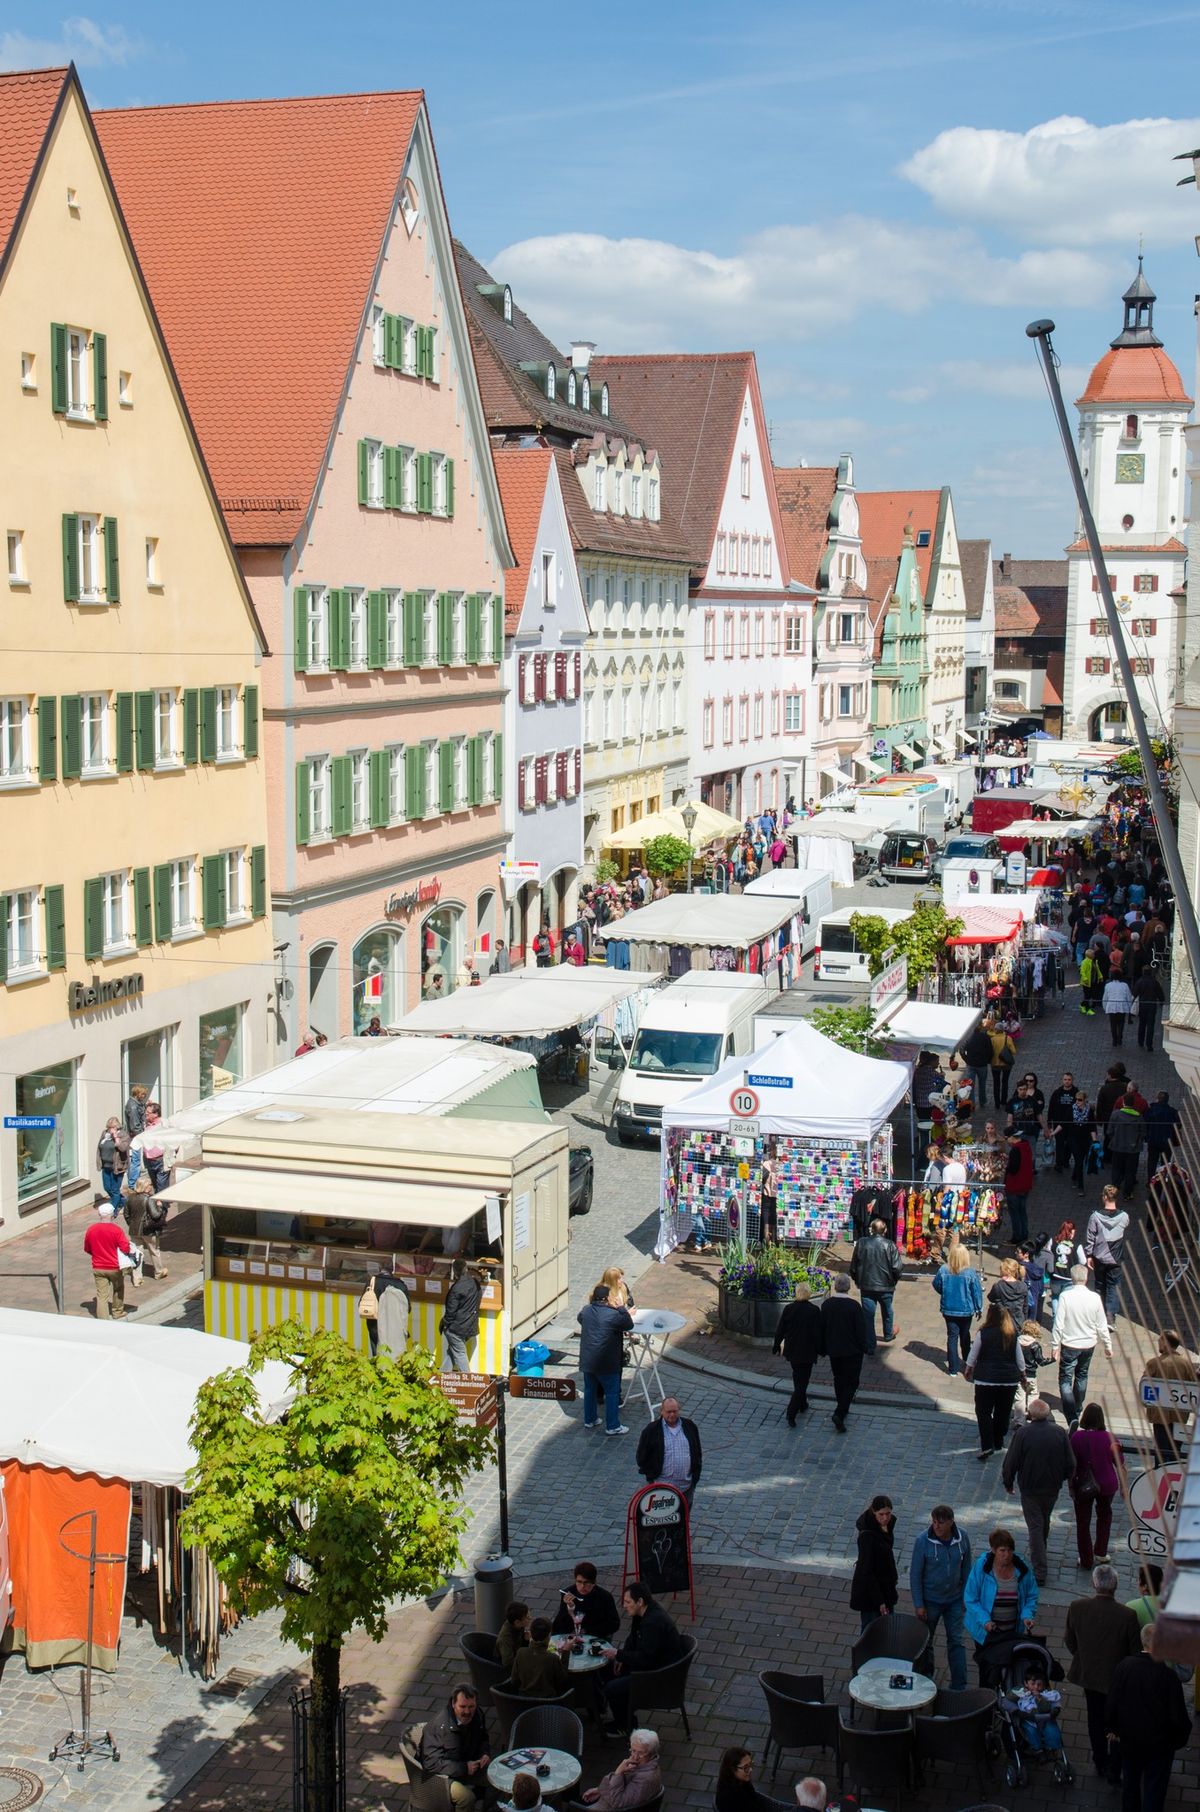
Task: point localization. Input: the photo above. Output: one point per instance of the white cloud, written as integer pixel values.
(999, 377)
(911, 393)
(81, 41)
(818, 440)
(785, 283)
(1064, 182)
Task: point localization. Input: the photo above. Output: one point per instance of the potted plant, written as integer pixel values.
(757, 1282)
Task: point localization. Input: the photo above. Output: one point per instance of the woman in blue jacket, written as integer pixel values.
(960, 1287)
(1001, 1599)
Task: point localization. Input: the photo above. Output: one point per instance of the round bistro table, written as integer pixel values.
(565, 1770)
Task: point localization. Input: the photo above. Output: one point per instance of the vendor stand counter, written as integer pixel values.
(301, 1210)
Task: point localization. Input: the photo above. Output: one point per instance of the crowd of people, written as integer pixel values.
(132, 1166)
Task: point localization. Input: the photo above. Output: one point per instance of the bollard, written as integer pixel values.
(493, 1592)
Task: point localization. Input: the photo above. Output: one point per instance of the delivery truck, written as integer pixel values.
(687, 1031)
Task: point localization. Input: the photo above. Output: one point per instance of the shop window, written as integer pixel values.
(377, 978)
(221, 1050)
(441, 938)
(51, 1091)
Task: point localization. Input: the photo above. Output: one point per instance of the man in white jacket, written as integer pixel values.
(1079, 1322)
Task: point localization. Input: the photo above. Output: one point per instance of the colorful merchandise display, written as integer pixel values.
(717, 1176)
(925, 1218)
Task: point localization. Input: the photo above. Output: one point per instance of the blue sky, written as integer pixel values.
(875, 198)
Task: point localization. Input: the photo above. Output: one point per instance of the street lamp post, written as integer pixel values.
(688, 814)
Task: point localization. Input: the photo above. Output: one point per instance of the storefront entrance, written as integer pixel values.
(441, 952)
(221, 1050)
(147, 1059)
(377, 979)
(50, 1091)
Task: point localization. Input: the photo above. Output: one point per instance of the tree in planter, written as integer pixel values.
(354, 1499)
(851, 1027)
(665, 856)
(606, 870)
(920, 938)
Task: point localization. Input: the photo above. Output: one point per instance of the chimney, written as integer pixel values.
(581, 353)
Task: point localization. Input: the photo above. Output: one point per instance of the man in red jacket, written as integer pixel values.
(102, 1242)
(1018, 1181)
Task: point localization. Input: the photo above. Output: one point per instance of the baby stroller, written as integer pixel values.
(1005, 1668)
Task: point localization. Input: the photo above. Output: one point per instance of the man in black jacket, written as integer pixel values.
(1039, 1461)
(1146, 1713)
(1060, 1118)
(844, 1342)
(602, 1327)
(601, 1618)
(877, 1267)
(460, 1318)
(653, 1641)
(798, 1338)
(456, 1744)
(668, 1451)
(977, 1055)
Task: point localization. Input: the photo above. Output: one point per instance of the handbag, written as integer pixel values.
(1083, 1484)
(368, 1303)
(129, 1261)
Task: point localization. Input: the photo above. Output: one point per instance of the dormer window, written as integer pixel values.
(1131, 427)
(508, 304)
(572, 390)
(551, 382)
(652, 498)
(618, 492)
(587, 393)
(604, 399)
(599, 492)
(635, 495)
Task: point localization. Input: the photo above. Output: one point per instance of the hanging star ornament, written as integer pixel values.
(1075, 797)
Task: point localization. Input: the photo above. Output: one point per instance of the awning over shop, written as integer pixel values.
(529, 1003)
(932, 1027)
(1058, 830)
(967, 736)
(1002, 761)
(703, 919)
(878, 768)
(987, 925)
(909, 753)
(342, 1197)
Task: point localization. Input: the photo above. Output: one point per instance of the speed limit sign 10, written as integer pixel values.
(744, 1103)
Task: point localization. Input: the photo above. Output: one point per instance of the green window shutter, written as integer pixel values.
(472, 607)
(112, 562)
(424, 483)
(376, 630)
(475, 770)
(162, 902)
(191, 726)
(303, 820)
(339, 629)
(71, 711)
(449, 479)
(47, 709)
(497, 767)
(258, 881)
(393, 341)
(446, 777)
(4, 911)
(378, 790)
(412, 783)
(143, 930)
(100, 376)
(412, 629)
(93, 921)
(208, 723)
(124, 732)
(497, 629)
(426, 353)
(300, 618)
(391, 478)
(340, 794)
(143, 725)
(249, 722)
(58, 368)
(54, 907)
(445, 605)
(70, 544)
(364, 471)
(213, 890)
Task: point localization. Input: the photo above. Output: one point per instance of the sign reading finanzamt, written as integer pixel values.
(81, 996)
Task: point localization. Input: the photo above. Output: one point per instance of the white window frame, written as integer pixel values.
(746, 556)
(114, 913)
(617, 492)
(356, 611)
(760, 633)
(708, 721)
(727, 721)
(408, 346)
(845, 701)
(125, 389)
(94, 712)
(744, 717)
(793, 633)
(185, 919)
(744, 634)
(438, 461)
(229, 746)
(768, 558)
(847, 620)
(320, 799)
(24, 955)
(458, 629)
(758, 714)
(17, 574)
(549, 571)
(635, 494)
(793, 713)
(599, 486)
(652, 498)
(755, 556)
(727, 636)
(379, 334)
(433, 803)
(237, 904)
(360, 790)
(91, 560)
(166, 733)
(153, 570)
(16, 765)
(608, 715)
(721, 550)
(397, 771)
(429, 629)
(627, 726)
(527, 784)
(393, 628)
(316, 629)
(408, 479)
(29, 371)
(79, 374)
(375, 477)
(774, 714)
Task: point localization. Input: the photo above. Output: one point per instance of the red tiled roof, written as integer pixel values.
(28, 102)
(1135, 374)
(523, 474)
(882, 516)
(259, 225)
(805, 494)
(1170, 546)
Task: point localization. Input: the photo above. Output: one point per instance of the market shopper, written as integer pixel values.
(1117, 1002)
(601, 1354)
(937, 1579)
(1100, 1634)
(1167, 1424)
(460, 1317)
(112, 1157)
(1145, 1714)
(1083, 1134)
(1104, 1243)
(135, 1109)
(1079, 1325)
(1148, 993)
(798, 1338)
(877, 1267)
(1038, 1464)
(1099, 1471)
(844, 1343)
(1161, 1122)
(1001, 1597)
(977, 1055)
(1010, 1290)
(1018, 1185)
(1060, 1116)
(1126, 1130)
(104, 1242)
(873, 1591)
(669, 1451)
(1004, 1055)
(960, 1291)
(995, 1366)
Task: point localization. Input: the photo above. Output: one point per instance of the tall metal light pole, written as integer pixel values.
(1040, 331)
(689, 816)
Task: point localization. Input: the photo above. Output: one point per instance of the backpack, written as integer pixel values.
(155, 1217)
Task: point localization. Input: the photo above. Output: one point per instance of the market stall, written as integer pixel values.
(821, 1111)
(980, 957)
(829, 841)
(748, 934)
(709, 826)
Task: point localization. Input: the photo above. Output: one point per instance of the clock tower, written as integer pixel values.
(1132, 415)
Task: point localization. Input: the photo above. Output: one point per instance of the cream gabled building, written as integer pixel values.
(134, 943)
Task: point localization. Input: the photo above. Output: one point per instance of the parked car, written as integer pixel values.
(976, 848)
(579, 1199)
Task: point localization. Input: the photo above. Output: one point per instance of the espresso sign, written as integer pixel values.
(660, 1528)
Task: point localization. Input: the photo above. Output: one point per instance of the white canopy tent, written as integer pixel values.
(708, 919)
(530, 1003)
(828, 1092)
(1055, 830)
(787, 883)
(930, 1027)
(110, 1399)
(828, 841)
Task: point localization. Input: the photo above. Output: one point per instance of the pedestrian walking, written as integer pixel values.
(1104, 1244)
(112, 1158)
(668, 1450)
(1010, 1291)
(1161, 1122)
(1173, 1363)
(1118, 1005)
(1083, 1133)
(1148, 993)
(977, 1055)
(601, 1351)
(1147, 1717)
(1066, 1252)
(960, 1291)
(1126, 1130)
(1004, 1055)
(1060, 1117)
(877, 1267)
(798, 1338)
(135, 1109)
(1038, 1464)
(104, 1242)
(844, 1343)
(1091, 980)
(995, 1366)
(1001, 1598)
(1018, 1185)
(873, 1591)
(1098, 1476)
(937, 1579)
(460, 1317)
(1100, 1634)
(1080, 1324)
(1109, 1093)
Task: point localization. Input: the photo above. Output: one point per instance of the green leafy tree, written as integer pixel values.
(921, 938)
(352, 1500)
(664, 856)
(852, 1027)
(1129, 762)
(606, 870)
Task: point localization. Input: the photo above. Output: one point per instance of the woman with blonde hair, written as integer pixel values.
(619, 1293)
(958, 1284)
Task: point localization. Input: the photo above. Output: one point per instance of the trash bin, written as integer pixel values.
(493, 1592)
(531, 1356)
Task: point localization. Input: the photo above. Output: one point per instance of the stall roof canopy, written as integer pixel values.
(1030, 829)
(987, 925)
(932, 1027)
(790, 883)
(830, 1092)
(344, 1198)
(530, 1003)
(702, 918)
(112, 1399)
(862, 830)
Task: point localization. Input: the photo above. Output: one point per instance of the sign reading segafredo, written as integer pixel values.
(97, 993)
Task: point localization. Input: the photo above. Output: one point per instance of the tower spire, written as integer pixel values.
(1139, 300)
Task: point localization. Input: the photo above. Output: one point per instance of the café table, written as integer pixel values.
(581, 1661)
(564, 1769)
(650, 1325)
(871, 1686)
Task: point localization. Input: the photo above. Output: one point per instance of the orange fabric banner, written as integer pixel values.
(50, 1586)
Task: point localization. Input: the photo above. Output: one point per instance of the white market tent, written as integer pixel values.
(828, 841)
(110, 1399)
(530, 1003)
(1032, 830)
(712, 919)
(930, 1026)
(862, 830)
(828, 1092)
(783, 883)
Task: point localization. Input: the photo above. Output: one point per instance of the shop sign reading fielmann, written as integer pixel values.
(81, 996)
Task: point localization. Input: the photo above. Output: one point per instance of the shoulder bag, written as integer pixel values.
(368, 1303)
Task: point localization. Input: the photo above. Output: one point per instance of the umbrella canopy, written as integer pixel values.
(866, 831)
(711, 826)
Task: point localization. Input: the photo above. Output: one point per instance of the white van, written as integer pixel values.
(687, 1031)
(838, 957)
(812, 890)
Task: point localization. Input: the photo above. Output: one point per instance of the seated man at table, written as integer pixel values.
(811, 1794)
(633, 1781)
(455, 1744)
(653, 1641)
(600, 1614)
(536, 1670)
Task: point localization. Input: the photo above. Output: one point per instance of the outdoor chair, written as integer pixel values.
(486, 1671)
(550, 1726)
(799, 1717)
(508, 1705)
(664, 1688)
(875, 1758)
(426, 1792)
(901, 1636)
(955, 1728)
(647, 1805)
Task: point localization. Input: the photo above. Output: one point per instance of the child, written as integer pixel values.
(1030, 1342)
(1036, 1261)
(1039, 1705)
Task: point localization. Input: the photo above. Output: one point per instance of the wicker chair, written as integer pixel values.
(664, 1688)
(955, 1728)
(900, 1636)
(551, 1726)
(486, 1671)
(799, 1717)
(426, 1792)
(875, 1758)
(508, 1705)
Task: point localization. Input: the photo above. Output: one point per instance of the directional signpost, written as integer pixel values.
(47, 1123)
(473, 1394)
(558, 1390)
(1169, 1393)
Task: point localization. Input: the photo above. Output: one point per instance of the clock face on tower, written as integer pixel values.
(1131, 468)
